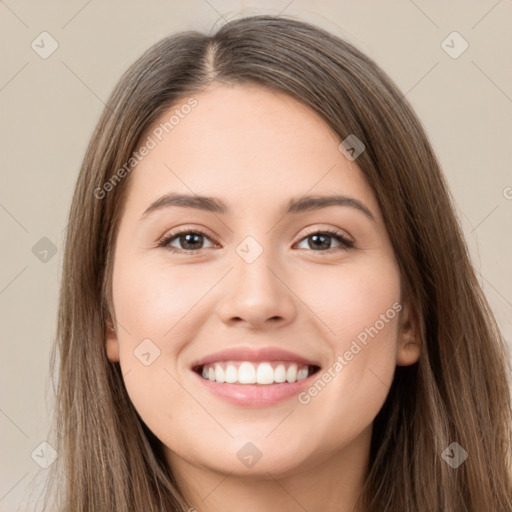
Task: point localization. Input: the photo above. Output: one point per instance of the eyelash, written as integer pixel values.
(346, 244)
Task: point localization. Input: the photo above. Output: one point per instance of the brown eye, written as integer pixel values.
(321, 241)
(188, 241)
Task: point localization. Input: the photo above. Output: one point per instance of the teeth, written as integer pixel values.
(280, 373)
(265, 374)
(301, 374)
(220, 375)
(245, 372)
(291, 373)
(231, 374)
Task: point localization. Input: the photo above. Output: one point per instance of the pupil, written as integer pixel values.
(189, 240)
(320, 238)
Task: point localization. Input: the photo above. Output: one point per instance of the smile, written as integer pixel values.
(263, 373)
(255, 376)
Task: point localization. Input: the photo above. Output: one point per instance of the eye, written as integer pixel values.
(320, 241)
(191, 241)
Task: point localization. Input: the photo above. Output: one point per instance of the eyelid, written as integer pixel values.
(345, 242)
(165, 239)
(311, 230)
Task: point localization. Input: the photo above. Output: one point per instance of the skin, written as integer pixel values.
(255, 149)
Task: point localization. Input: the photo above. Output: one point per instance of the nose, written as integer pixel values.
(257, 295)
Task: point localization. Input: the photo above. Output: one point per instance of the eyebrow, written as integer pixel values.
(215, 205)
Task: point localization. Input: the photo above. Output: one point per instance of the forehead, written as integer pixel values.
(246, 144)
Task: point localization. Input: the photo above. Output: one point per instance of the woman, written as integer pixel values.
(267, 302)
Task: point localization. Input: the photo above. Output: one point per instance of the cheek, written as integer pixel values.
(153, 306)
(151, 299)
(352, 299)
(360, 305)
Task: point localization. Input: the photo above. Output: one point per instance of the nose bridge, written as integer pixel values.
(255, 292)
(253, 262)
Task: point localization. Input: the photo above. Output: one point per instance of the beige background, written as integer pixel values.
(51, 105)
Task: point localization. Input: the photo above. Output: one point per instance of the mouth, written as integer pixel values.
(264, 373)
(248, 377)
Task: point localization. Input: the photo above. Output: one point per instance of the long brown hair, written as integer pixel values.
(457, 392)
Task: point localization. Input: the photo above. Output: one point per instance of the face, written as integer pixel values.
(257, 286)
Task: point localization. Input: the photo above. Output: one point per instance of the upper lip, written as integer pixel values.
(254, 354)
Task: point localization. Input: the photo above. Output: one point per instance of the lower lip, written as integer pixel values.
(254, 395)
